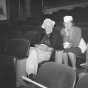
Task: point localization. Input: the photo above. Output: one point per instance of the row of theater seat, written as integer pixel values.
(7, 72)
(18, 48)
(10, 51)
(53, 75)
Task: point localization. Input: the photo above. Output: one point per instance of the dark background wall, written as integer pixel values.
(28, 18)
(12, 9)
(36, 8)
(24, 9)
(54, 3)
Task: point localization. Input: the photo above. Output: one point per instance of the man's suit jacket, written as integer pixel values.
(74, 36)
(53, 40)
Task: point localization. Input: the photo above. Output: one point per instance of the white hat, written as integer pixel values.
(68, 19)
(48, 22)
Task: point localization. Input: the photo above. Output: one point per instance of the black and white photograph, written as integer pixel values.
(43, 43)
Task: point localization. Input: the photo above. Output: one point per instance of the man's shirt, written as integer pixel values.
(74, 36)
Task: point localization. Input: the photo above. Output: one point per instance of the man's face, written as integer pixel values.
(68, 25)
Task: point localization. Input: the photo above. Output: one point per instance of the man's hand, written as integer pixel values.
(67, 45)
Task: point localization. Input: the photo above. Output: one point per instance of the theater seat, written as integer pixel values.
(7, 72)
(83, 82)
(33, 36)
(79, 60)
(20, 71)
(54, 75)
(17, 48)
(2, 45)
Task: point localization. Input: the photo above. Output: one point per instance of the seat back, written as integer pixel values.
(7, 72)
(82, 82)
(54, 75)
(2, 46)
(33, 36)
(17, 47)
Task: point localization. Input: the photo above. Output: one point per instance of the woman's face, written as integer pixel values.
(49, 29)
(48, 25)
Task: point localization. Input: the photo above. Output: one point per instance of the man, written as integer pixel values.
(71, 38)
(42, 51)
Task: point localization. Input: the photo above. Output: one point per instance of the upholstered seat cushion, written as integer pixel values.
(53, 75)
